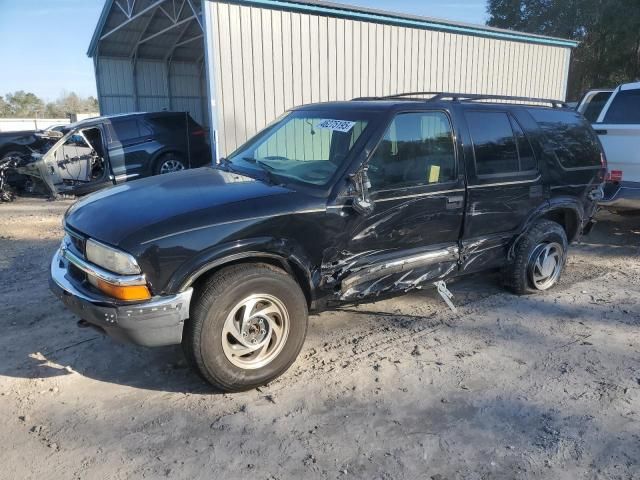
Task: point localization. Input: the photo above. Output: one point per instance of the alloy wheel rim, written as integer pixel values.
(545, 265)
(171, 166)
(255, 331)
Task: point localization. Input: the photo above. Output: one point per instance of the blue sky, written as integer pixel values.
(43, 43)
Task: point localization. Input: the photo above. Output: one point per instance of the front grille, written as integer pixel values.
(77, 243)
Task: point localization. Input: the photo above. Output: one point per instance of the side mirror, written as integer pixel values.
(362, 203)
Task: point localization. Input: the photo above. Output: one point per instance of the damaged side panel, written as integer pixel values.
(376, 273)
(484, 253)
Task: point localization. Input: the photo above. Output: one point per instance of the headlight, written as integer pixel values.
(111, 259)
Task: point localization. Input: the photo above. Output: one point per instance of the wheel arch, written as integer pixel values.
(291, 265)
(568, 218)
(567, 212)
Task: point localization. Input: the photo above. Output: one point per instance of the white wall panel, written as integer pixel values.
(268, 61)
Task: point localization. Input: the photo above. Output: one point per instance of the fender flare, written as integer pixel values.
(556, 205)
(286, 253)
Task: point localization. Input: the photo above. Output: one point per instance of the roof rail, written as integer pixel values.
(469, 97)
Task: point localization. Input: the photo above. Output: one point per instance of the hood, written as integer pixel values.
(132, 213)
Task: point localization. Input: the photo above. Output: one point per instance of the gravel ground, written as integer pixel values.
(544, 386)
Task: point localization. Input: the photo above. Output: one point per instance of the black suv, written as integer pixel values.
(108, 150)
(334, 203)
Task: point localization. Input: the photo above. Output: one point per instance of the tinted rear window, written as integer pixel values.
(625, 108)
(168, 122)
(122, 130)
(499, 143)
(569, 136)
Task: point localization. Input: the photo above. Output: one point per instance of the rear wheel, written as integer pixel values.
(247, 326)
(169, 163)
(540, 258)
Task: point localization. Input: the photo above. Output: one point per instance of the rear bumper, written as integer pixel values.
(154, 323)
(624, 196)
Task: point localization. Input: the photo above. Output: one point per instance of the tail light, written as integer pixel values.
(198, 133)
(614, 176)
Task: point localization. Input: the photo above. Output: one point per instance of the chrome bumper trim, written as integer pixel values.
(157, 322)
(626, 197)
(95, 271)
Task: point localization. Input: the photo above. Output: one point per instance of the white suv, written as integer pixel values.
(618, 127)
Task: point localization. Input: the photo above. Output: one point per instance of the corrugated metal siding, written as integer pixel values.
(114, 77)
(152, 88)
(180, 89)
(268, 61)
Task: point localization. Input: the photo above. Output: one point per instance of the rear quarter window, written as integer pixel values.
(625, 108)
(569, 136)
(167, 123)
(122, 130)
(595, 106)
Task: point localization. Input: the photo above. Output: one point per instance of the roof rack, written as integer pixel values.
(469, 97)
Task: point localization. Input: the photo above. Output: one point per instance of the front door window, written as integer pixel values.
(416, 150)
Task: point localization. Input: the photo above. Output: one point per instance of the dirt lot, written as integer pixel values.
(537, 387)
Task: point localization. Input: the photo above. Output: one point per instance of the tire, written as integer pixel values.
(213, 334)
(530, 271)
(169, 163)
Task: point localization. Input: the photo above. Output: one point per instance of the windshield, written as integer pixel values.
(304, 146)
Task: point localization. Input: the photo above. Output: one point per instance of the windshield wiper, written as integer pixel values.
(226, 164)
(266, 168)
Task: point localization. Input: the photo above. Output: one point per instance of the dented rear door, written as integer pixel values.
(504, 184)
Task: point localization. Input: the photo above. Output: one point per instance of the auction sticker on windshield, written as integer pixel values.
(343, 126)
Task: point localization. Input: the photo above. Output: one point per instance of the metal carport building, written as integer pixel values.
(236, 65)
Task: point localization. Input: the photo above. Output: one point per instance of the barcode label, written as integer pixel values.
(343, 126)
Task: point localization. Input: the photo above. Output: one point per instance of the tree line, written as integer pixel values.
(23, 104)
(608, 32)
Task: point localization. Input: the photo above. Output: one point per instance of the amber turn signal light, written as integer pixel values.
(127, 293)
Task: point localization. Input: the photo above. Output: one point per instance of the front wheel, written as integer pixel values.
(247, 326)
(540, 258)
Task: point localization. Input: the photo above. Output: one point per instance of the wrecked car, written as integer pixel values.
(334, 203)
(16, 149)
(103, 151)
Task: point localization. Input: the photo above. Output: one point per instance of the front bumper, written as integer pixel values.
(153, 323)
(624, 196)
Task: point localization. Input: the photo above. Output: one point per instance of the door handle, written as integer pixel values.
(454, 202)
(602, 132)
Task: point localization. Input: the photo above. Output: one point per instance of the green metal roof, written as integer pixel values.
(354, 13)
(394, 18)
